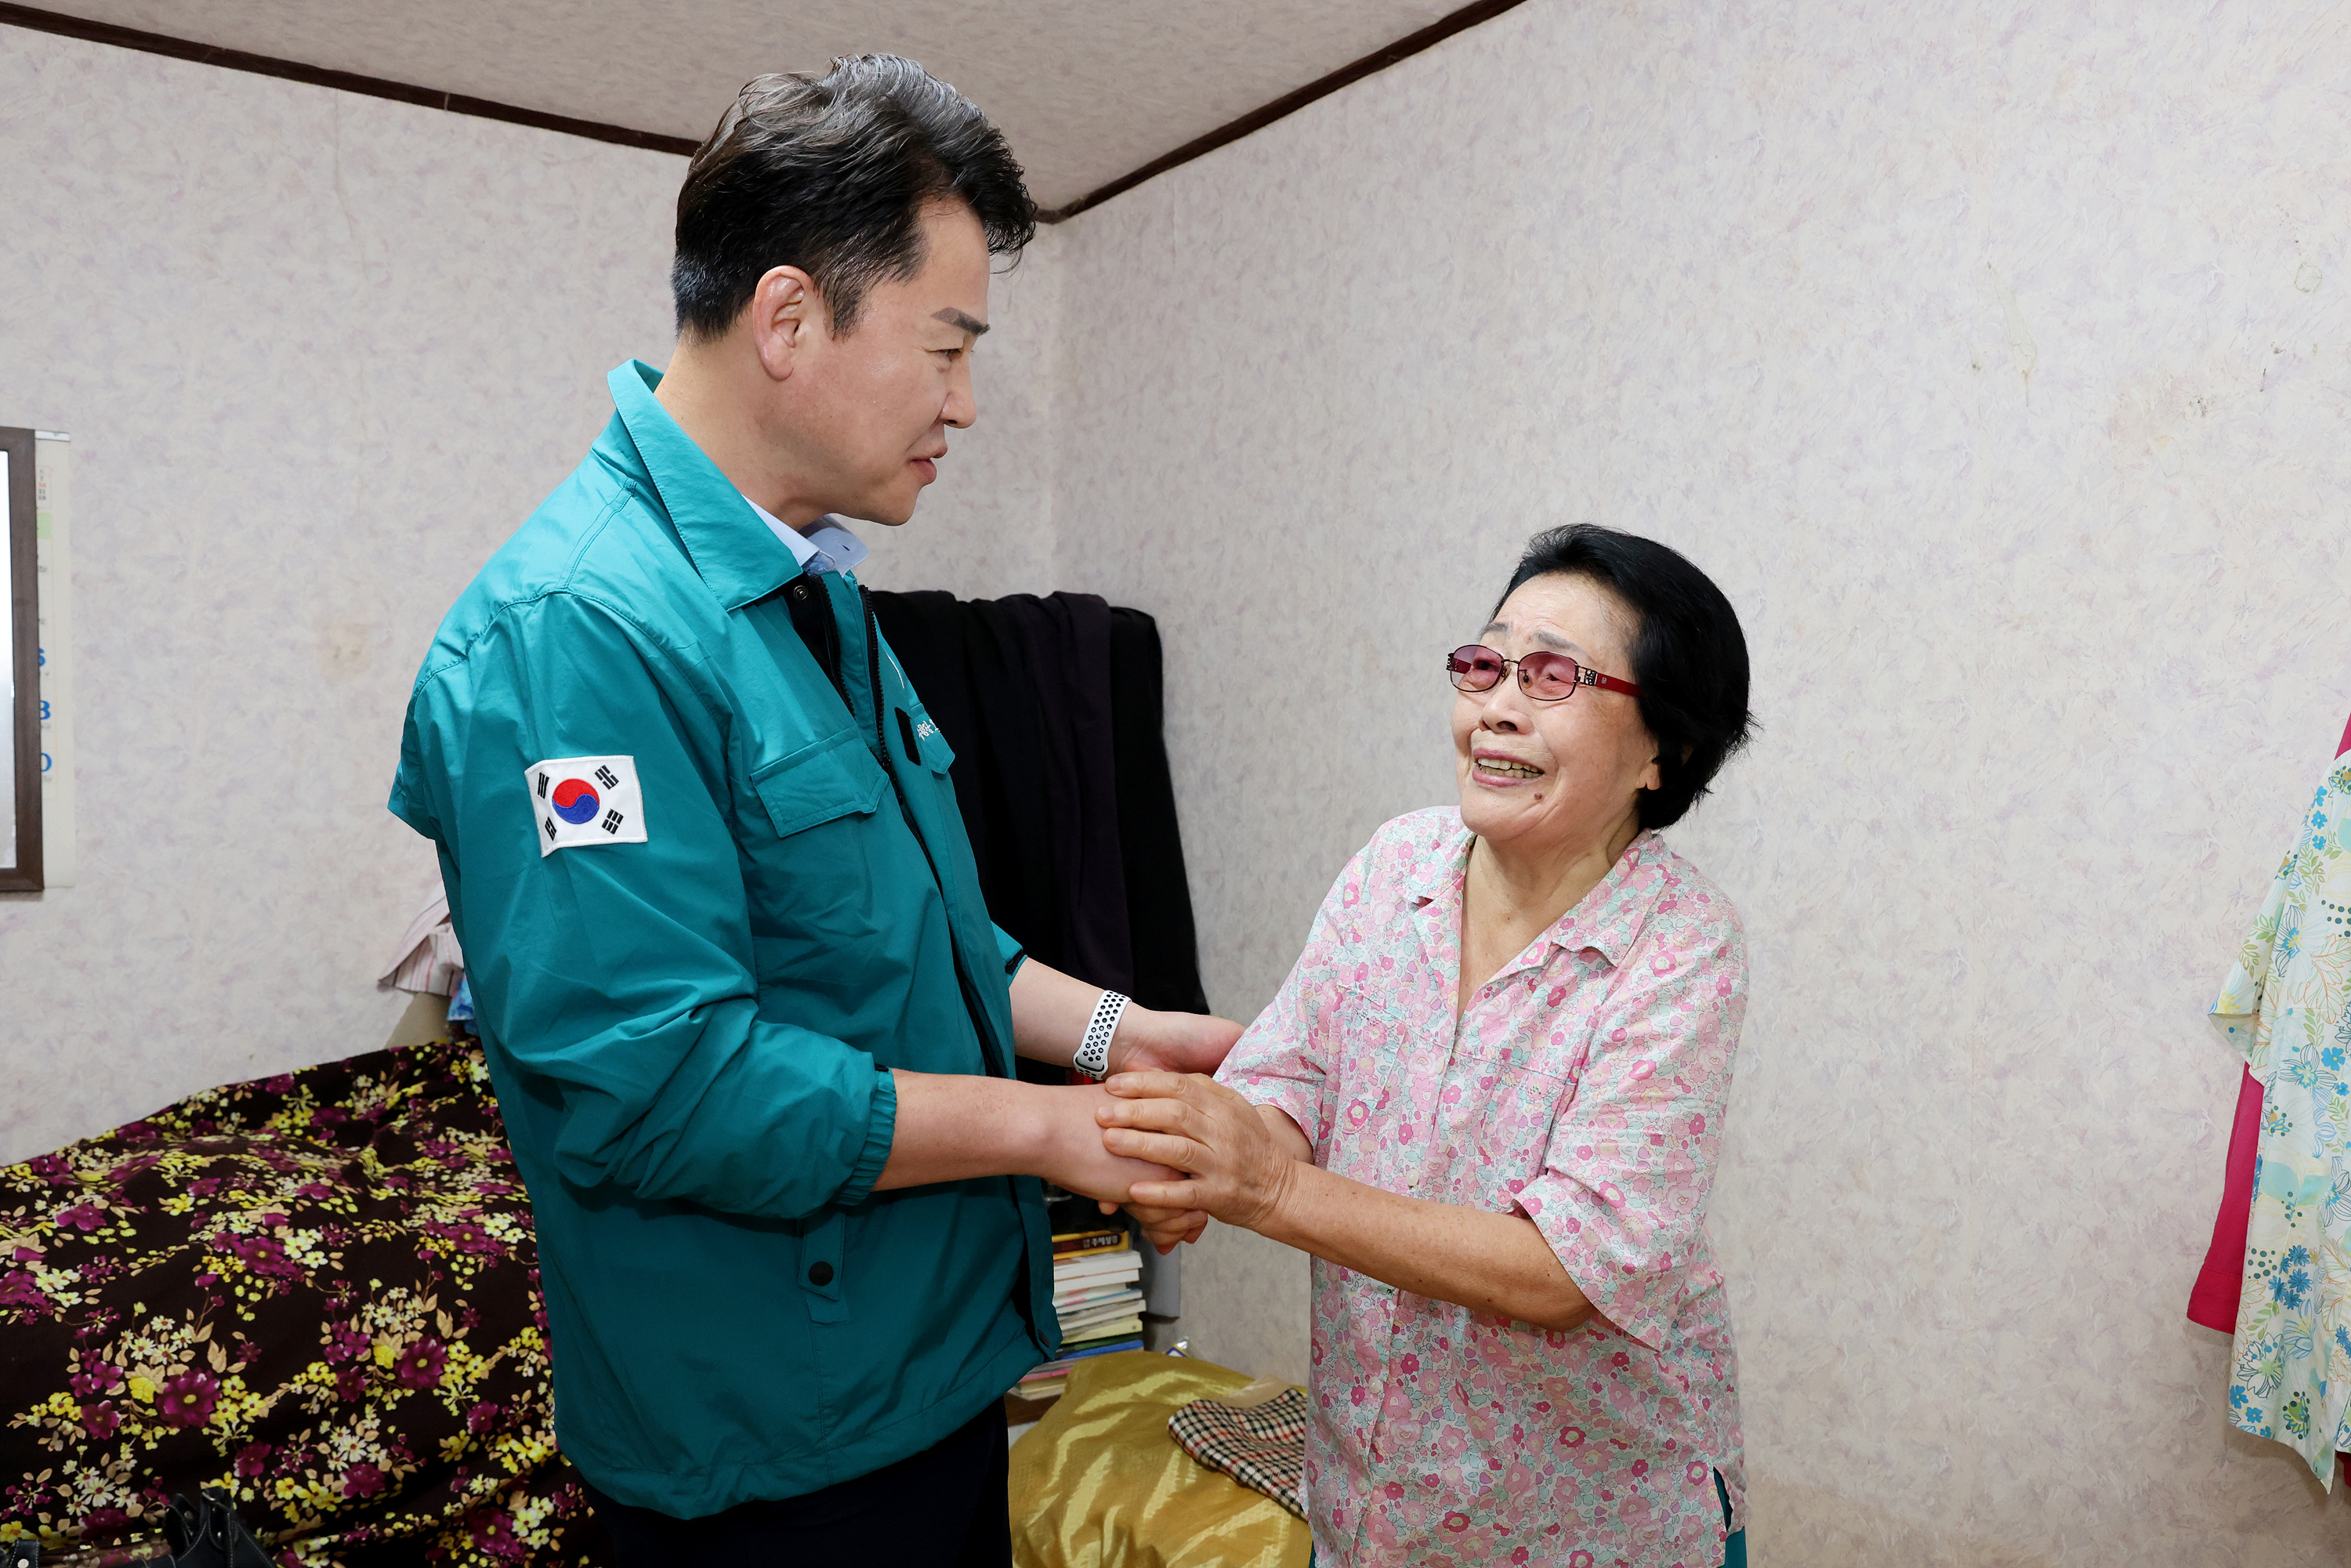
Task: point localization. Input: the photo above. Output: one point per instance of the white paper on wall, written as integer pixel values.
(53, 535)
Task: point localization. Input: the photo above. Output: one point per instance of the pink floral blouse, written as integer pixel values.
(1584, 1089)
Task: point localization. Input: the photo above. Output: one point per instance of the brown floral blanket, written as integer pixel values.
(319, 1291)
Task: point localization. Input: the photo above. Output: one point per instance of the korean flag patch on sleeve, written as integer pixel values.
(578, 801)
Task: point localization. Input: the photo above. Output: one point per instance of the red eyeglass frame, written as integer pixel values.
(1457, 664)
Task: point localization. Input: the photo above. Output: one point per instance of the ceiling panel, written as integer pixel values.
(1086, 90)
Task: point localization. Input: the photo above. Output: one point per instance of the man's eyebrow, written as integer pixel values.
(1540, 635)
(960, 322)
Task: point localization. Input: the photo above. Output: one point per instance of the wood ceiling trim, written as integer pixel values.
(1378, 60)
(82, 28)
(1257, 119)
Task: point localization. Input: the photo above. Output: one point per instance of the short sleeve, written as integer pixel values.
(1283, 1059)
(1631, 1161)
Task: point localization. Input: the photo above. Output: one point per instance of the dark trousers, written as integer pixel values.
(943, 1508)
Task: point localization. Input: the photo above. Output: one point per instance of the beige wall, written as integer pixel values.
(318, 355)
(1993, 357)
(986, 528)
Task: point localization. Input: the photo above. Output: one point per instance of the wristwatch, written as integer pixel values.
(1094, 1050)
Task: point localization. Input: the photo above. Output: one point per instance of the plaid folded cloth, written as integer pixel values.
(1263, 1447)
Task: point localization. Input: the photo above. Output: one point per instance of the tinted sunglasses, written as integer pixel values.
(1544, 677)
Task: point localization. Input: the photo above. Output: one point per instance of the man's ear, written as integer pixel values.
(785, 312)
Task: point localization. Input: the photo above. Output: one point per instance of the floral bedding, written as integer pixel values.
(319, 1291)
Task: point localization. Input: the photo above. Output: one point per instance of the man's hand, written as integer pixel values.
(1073, 1154)
(1170, 1042)
(1051, 1010)
(1167, 1229)
(954, 1126)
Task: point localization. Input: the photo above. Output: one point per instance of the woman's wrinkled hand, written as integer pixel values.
(1237, 1172)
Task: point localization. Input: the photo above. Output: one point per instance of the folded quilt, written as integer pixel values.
(1262, 1446)
(318, 1291)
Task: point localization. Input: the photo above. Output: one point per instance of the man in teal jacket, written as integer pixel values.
(749, 1021)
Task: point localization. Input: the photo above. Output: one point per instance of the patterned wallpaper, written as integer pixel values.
(1994, 358)
(318, 355)
(986, 527)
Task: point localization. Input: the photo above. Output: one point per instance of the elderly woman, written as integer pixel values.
(1489, 1100)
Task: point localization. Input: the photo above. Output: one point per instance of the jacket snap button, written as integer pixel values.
(819, 1273)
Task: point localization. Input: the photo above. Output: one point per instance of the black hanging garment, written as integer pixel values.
(1068, 644)
(1158, 921)
(1023, 894)
(1054, 708)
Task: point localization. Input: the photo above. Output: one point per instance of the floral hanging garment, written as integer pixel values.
(2287, 1006)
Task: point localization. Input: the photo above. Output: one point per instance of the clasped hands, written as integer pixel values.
(1229, 1158)
(1175, 1148)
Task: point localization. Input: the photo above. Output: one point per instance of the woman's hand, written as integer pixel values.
(1149, 1040)
(1238, 1173)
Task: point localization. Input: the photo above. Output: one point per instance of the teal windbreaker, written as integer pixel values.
(691, 1034)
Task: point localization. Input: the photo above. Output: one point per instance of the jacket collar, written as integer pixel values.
(738, 559)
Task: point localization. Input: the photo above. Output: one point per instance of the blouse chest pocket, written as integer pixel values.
(1514, 1074)
(1371, 1095)
(1499, 1114)
(1372, 1044)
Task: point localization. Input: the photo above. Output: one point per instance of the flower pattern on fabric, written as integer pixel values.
(2287, 1007)
(318, 1292)
(1584, 1088)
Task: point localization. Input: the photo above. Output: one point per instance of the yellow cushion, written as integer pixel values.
(1098, 1482)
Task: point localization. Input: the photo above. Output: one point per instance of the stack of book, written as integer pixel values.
(1098, 1295)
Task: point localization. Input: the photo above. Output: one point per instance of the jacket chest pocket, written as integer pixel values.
(824, 780)
(931, 793)
(928, 748)
(924, 742)
(814, 884)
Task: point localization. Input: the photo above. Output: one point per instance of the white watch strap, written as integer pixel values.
(1094, 1050)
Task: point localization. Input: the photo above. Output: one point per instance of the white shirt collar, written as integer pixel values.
(827, 547)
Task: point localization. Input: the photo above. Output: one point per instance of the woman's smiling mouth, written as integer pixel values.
(1501, 768)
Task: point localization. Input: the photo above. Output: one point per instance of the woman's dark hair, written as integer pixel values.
(830, 175)
(1689, 657)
